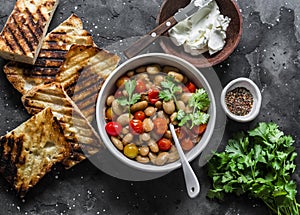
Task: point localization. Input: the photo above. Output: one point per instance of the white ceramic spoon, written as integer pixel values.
(191, 181)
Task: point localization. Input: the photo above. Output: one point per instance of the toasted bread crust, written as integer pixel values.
(22, 35)
(79, 133)
(83, 73)
(29, 151)
(53, 52)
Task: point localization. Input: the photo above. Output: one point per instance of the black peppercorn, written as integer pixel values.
(239, 101)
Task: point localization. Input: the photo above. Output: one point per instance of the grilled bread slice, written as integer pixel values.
(83, 73)
(79, 133)
(29, 151)
(23, 33)
(53, 52)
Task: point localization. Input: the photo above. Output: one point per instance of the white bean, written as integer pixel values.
(127, 138)
(109, 100)
(162, 158)
(173, 154)
(117, 108)
(177, 76)
(153, 146)
(139, 106)
(149, 111)
(153, 69)
(168, 134)
(169, 107)
(180, 105)
(123, 119)
(185, 97)
(144, 137)
(158, 79)
(152, 157)
(117, 143)
(173, 118)
(148, 125)
(144, 150)
(142, 159)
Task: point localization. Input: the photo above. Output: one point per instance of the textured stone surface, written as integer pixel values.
(268, 53)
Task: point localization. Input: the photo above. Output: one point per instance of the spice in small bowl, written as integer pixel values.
(241, 100)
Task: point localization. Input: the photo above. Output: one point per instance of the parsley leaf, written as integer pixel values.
(132, 98)
(199, 101)
(170, 88)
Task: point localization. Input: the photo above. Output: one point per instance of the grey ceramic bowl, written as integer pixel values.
(109, 88)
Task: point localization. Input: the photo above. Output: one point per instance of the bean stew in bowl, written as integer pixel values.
(139, 101)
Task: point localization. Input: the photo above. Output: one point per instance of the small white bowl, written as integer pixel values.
(254, 90)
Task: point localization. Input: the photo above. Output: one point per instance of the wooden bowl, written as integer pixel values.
(234, 32)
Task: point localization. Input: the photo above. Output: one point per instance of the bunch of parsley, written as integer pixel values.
(259, 163)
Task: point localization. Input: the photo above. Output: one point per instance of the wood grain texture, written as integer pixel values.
(234, 32)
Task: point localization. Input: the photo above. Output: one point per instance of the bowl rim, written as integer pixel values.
(99, 112)
(206, 63)
(254, 90)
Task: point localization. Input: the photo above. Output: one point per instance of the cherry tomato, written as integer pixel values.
(186, 144)
(113, 128)
(164, 144)
(136, 126)
(121, 81)
(131, 150)
(191, 87)
(199, 129)
(160, 125)
(140, 86)
(139, 115)
(153, 95)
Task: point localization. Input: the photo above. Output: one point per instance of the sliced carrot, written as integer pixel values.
(187, 144)
(202, 128)
(199, 129)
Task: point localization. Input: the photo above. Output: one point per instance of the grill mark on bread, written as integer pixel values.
(79, 133)
(83, 73)
(7, 42)
(30, 35)
(25, 29)
(25, 156)
(12, 40)
(28, 38)
(49, 63)
(41, 19)
(52, 54)
(35, 27)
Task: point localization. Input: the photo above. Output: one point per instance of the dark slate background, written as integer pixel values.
(269, 54)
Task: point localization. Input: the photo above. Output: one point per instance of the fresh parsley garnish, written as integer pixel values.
(170, 88)
(199, 101)
(259, 163)
(132, 98)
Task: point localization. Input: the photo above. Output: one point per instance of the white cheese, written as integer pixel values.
(203, 31)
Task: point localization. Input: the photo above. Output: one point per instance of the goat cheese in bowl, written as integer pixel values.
(203, 31)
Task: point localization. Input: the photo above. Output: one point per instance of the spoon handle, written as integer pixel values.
(191, 181)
